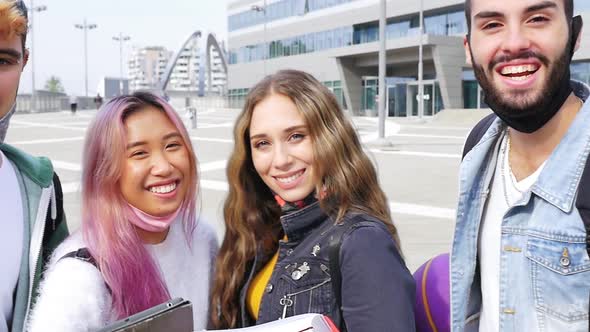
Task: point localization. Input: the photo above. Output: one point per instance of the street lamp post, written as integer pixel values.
(262, 9)
(85, 27)
(382, 72)
(32, 11)
(121, 39)
(420, 64)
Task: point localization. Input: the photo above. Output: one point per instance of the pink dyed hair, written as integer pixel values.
(127, 267)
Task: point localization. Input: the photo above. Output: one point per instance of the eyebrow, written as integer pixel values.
(528, 10)
(541, 6)
(139, 143)
(287, 130)
(11, 52)
(488, 14)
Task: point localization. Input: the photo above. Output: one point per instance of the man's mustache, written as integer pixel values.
(520, 56)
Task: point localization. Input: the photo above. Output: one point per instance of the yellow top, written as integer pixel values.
(258, 285)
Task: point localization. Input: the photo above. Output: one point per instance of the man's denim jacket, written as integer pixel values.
(544, 266)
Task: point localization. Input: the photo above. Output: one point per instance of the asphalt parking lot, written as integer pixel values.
(418, 169)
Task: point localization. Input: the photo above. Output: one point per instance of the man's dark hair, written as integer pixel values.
(567, 4)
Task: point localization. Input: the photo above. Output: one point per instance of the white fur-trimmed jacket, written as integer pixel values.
(73, 296)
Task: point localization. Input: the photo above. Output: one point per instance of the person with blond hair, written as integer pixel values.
(140, 242)
(33, 222)
(308, 229)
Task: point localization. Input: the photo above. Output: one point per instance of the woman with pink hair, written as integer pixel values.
(140, 242)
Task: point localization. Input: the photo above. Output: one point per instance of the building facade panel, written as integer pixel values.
(338, 43)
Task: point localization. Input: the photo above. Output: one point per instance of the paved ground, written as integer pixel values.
(418, 171)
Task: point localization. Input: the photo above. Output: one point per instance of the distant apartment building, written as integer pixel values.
(338, 42)
(110, 87)
(148, 65)
(185, 76)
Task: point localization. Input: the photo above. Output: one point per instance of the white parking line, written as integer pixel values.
(429, 136)
(52, 140)
(216, 118)
(395, 207)
(391, 129)
(418, 154)
(37, 124)
(216, 140)
(46, 125)
(422, 210)
(70, 187)
(212, 166)
(67, 166)
(204, 167)
(74, 187)
(19, 126)
(215, 125)
(79, 123)
(79, 115)
(437, 127)
(214, 185)
(209, 111)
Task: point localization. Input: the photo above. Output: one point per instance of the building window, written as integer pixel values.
(278, 10)
(237, 97)
(470, 90)
(336, 88)
(366, 33)
(397, 29)
(452, 23)
(368, 102)
(447, 24)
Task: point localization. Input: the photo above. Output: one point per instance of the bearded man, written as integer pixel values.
(519, 260)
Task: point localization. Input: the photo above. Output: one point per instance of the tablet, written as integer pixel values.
(175, 315)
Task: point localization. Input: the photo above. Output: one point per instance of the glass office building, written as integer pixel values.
(338, 40)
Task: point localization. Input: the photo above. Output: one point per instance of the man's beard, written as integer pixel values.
(515, 102)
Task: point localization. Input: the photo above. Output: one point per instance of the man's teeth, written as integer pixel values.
(519, 78)
(163, 189)
(290, 178)
(511, 70)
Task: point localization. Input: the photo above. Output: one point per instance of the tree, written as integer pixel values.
(53, 84)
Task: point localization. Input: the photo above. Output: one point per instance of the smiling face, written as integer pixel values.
(519, 50)
(156, 166)
(281, 148)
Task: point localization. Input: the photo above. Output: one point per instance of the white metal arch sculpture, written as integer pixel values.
(170, 68)
(212, 42)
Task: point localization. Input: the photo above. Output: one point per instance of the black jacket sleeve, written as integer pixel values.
(378, 291)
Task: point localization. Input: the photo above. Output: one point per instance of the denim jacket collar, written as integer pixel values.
(299, 223)
(555, 185)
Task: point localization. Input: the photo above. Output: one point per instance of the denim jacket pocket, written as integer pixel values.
(560, 276)
(308, 287)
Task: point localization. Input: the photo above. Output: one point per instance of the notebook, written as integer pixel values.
(299, 323)
(175, 315)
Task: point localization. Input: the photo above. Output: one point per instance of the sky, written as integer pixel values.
(59, 47)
